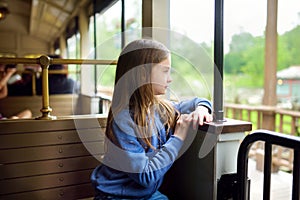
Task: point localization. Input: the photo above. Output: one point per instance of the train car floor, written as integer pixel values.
(281, 183)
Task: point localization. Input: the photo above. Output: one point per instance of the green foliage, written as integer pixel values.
(254, 62)
(241, 42)
(243, 64)
(289, 49)
(231, 61)
(106, 75)
(187, 79)
(246, 55)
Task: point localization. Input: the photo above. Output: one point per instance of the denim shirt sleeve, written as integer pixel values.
(132, 158)
(188, 106)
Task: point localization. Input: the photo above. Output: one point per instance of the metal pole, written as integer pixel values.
(123, 27)
(95, 48)
(218, 60)
(46, 109)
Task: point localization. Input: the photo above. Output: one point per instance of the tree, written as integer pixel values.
(241, 42)
(288, 48)
(236, 60)
(246, 54)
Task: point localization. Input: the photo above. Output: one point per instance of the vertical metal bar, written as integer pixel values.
(296, 175)
(46, 109)
(95, 47)
(270, 138)
(242, 170)
(267, 170)
(77, 47)
(33, 86)
(218, 60)
(123, 28)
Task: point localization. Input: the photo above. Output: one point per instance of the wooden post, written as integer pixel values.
(147, 18)
(269, 98)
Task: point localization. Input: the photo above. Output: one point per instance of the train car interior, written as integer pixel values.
(65, 56)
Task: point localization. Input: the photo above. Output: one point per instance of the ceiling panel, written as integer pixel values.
(44, 19)
(48, 17)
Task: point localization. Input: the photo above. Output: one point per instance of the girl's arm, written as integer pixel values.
(188, 106)
(144, 167)
(199, 110)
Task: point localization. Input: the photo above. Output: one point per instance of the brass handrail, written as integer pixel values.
(44, 61)
(6, 60)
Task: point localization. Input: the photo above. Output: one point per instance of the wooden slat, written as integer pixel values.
(49, 152)
(50, 159)
(48, 167)
(9, 186)
(62, 193)
(50, 138)
(60, 124)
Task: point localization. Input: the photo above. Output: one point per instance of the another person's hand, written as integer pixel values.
(182, 126)
(11, 71)
(4, 79)
(11, 76)
(200, 115)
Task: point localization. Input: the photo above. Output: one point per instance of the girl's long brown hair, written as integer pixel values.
(133, 90)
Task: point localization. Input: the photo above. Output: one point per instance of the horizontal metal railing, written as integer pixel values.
(44, 58)
(44, 61)
(269, 138)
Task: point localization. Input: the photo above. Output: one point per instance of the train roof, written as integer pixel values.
(43, 19)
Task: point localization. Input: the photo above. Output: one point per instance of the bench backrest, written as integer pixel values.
(50, 159)
(61, 105)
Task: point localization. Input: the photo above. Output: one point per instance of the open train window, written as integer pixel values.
(106, 36)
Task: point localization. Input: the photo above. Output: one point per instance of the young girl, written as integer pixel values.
(144, 132)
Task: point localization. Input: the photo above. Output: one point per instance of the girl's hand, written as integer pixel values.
(200, 115)
(182, 126)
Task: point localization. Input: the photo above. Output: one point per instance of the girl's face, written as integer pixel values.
(161, 76)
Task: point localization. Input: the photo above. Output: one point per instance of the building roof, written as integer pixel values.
(293, 72)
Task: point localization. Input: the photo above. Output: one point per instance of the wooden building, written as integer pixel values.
(288, 86)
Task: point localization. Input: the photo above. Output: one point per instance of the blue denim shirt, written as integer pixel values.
(134, 171)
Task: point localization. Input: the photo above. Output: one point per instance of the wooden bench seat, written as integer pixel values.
(50, 159)
(62, 105)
